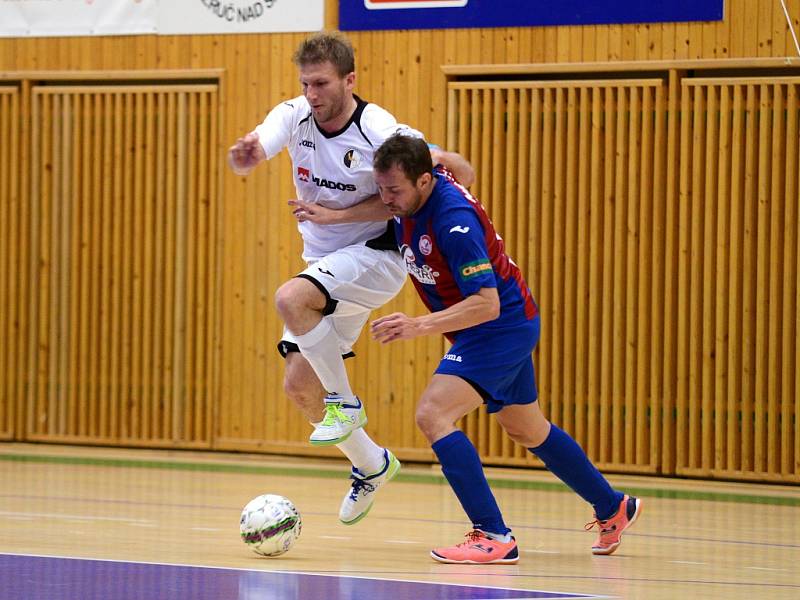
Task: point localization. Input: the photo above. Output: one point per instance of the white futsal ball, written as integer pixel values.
(270, 524)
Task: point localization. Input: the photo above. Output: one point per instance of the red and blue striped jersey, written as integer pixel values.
(452, 250)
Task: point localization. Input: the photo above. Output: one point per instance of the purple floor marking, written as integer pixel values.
(52, 578)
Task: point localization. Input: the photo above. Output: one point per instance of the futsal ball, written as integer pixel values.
(270, 524)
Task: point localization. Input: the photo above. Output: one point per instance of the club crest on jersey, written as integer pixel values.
(303, 174)
(352, 158)
(423, 274)
(425, 245)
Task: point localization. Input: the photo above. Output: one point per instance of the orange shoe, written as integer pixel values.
(611, 529)
(479, 549)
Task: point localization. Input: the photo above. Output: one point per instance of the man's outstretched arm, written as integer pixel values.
(473, 310)
(370, 209)
(245, 154)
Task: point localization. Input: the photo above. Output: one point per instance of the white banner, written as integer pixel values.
(35, 18)
(239, 16)
(39, 18)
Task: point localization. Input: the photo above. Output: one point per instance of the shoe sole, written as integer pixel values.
(449, 561)
(335, 441)
(392, 473)
(612, 549)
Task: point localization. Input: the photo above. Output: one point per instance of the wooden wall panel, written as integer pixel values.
(737, 402)
(123, 194)
(572, 176)
(655, 359)
(13, 300)
(259, 248)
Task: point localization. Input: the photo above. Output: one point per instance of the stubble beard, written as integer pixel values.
(334, 111)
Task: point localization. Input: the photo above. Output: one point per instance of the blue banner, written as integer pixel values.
(360, 15)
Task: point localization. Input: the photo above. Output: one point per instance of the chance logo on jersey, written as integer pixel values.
(475, 268)
(303, 174)
(423, 274)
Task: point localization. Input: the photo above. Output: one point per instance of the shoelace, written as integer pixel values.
(603, 530)
(360, 486)
(333, 414)
(472, 537)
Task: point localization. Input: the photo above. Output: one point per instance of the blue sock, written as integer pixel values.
(462, 467)
(567, 461)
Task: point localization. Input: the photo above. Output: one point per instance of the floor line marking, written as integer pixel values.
(496, 482)
(570, 530)
(71, 517)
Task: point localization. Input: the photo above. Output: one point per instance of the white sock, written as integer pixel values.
(320, 347)
(365, 454)
(497, 537)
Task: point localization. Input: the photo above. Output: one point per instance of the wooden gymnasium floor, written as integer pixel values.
(83, 523)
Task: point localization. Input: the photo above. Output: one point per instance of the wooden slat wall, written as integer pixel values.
(737, 402)
(123, 200)
(259, 247)
(12, 290)
(572, 173)
(656, 360)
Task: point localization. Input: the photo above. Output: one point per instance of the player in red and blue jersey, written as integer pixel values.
(480, 301)
(451, 250)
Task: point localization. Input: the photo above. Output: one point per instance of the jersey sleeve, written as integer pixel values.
(275, 131)
(380, 125)
(460, 236)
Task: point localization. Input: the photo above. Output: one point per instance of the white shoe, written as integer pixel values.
(339, 422)
(359, 498)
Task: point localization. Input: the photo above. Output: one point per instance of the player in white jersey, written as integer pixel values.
(353, 267)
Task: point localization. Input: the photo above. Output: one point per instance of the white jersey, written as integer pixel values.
(330, 169)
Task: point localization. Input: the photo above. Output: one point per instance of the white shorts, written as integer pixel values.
(356, 280)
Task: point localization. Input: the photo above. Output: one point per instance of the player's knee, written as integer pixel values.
(527, 434)
(523, 438)
(299, 304)
(285, 300)
(428, 420)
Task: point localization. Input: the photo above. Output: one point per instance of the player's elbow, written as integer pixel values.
(494, 311)
(491, 307)
(467, 175)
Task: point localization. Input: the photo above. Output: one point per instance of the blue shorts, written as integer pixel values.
(497, 363)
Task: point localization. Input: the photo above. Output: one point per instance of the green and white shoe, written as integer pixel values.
(359, 498)
(339, 422)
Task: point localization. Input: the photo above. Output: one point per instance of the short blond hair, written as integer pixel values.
(327, 46)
